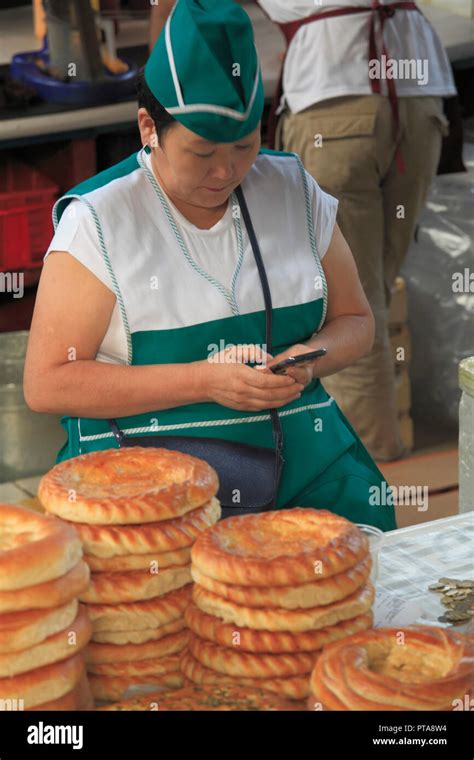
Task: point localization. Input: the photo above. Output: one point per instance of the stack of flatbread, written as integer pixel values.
(138, 511)
(270, 591)
(43, 628)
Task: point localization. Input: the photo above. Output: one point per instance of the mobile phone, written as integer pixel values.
(292, 361)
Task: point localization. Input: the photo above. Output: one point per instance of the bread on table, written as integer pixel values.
(113, 541)
(210, 628)
(414, 668)
(127, 485)
(34, 548)
(277, 619)
(284, 547)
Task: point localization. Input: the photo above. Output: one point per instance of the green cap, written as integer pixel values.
(205, 71)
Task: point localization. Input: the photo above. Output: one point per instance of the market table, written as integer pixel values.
(413, 558)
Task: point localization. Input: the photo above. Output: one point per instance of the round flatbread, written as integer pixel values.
(79, 698)
(136, 668)
(273, 619)
(21, 630)
(139, 637)
(231, 662)
(44, 684)
(107, 541)
(140, 616)
(316, 594)
(112, 653)
(55, 648)
(47, 595)
(296, 687)
(213, 629)
(34, 548)
(127, 486)
(413, 668)
(284, 547)
(113, 588)
(138, 561)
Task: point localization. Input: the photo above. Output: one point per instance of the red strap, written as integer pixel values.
(384, 12)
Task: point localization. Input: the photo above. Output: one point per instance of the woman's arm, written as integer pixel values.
(72, 312)
(348, 332)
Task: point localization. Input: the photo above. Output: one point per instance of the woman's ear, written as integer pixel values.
(147, 128)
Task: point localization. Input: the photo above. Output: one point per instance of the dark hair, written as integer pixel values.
(160, 116)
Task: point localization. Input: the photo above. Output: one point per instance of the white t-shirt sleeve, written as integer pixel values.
(76, 233)
(324, 215)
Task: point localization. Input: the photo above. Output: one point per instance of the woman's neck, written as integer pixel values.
(201, 217)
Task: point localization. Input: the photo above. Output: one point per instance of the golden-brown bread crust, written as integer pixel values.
(167, 645)
(230, 661)
(295, 687)
(112, 588)
(121, 540)
(138, 561)
(53, 593)
(276, 619)
(55, 648)
(213, 629)
(284, 547)
(21, 630)
(34, 548)
(136, 668)
(114, 688)
(138, 616)
(79, 698)
(415, 668)
(44, 684)
(208, 698)
(139, 637)
(316, 594)
(127, 486)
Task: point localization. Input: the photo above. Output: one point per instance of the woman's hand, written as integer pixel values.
(230, 382)
(302, 373)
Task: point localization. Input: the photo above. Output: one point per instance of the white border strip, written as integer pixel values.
(171, 61)
(207, 423)
(211, 108)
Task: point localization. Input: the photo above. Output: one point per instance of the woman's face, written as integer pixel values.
(197, 171)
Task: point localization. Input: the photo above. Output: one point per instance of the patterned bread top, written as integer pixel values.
(127, 486)
(279, 548)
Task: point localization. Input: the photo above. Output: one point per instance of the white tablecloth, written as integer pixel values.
(413, 558)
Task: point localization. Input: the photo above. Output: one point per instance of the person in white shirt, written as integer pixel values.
(361, 103)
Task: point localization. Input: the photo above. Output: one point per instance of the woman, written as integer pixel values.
(150, 278)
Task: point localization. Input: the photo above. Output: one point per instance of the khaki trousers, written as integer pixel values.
(378, 211)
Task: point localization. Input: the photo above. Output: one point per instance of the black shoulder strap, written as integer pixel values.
(277, 431)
